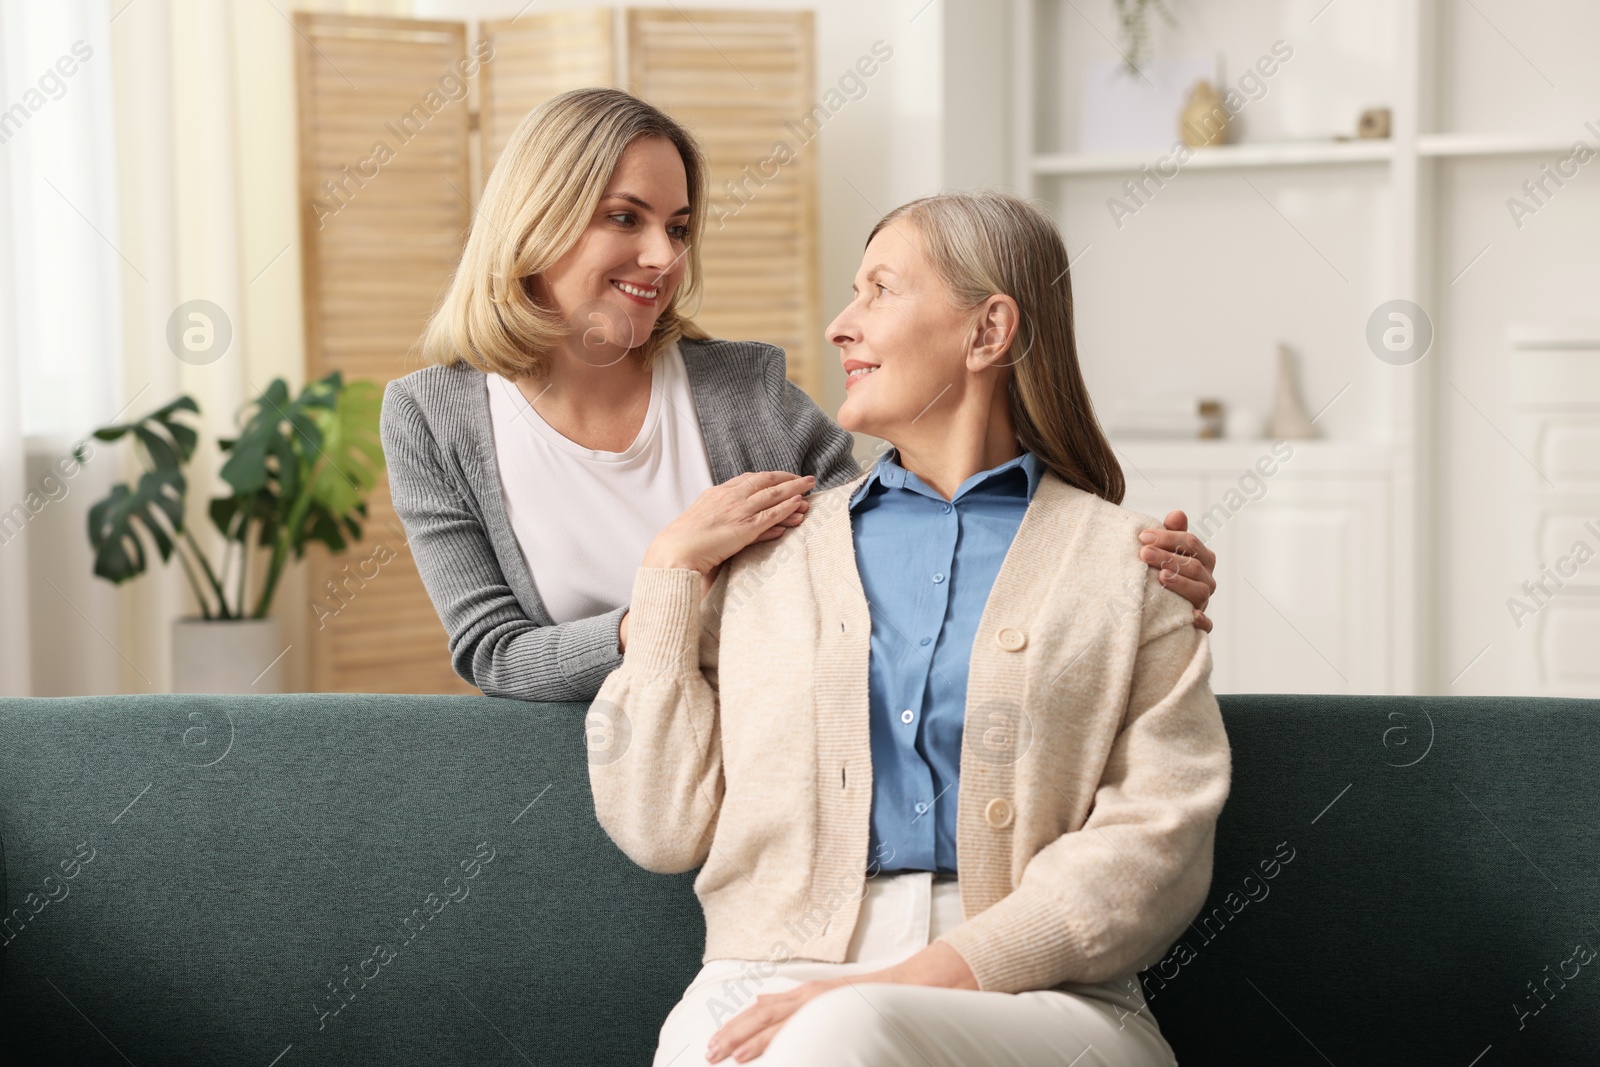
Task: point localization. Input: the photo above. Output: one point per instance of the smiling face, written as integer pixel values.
(902, 339)
(612, 285)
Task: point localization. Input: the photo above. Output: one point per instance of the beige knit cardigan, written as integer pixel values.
(1093, 763)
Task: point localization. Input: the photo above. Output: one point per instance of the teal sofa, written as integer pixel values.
(293, 880)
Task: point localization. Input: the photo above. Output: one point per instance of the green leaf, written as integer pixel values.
(185, 438)
(167, 443)
(352, 452)
(224, 512)
(182, 435)
(183, 403)
(162, 452)
(290, 468)
(322, 526)
(261, 507)
(155, 507)
(276, 395)
(246, 467)
(278, 442)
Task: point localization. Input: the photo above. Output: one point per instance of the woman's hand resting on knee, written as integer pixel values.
(747, 1035)
(726, 518)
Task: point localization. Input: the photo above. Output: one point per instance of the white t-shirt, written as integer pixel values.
(583, 518)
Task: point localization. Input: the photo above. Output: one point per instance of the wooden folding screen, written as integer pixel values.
(384, 188)
(743, 82)
(382, 229)
(534, 57)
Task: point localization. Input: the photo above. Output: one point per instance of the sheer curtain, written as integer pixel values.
(14, 648)
(60, 330)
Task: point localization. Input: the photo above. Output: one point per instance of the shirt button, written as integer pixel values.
(926, 641)
(998, 813)
(920, 808)
(937, 578)
(906, 716)
(947, 509)
(1011, 639)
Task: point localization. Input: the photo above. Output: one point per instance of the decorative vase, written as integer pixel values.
(1289, 421)
(1203, 120)
(226, 656)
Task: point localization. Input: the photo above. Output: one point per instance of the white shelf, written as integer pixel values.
(1463, 145)
(1306, 153)
(1222, 157)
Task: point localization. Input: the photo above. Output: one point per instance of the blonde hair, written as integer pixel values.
(541, 195)
(987, 243)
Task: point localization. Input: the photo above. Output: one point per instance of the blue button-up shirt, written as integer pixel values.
(927, 565)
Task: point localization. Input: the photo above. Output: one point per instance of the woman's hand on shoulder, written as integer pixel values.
(1184, 562)
(758, 506)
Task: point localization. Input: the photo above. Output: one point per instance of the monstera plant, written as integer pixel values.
(298, 472)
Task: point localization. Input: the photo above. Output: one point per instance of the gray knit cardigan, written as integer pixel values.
(446, 486)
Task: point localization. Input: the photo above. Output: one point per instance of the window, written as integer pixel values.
(58, 226)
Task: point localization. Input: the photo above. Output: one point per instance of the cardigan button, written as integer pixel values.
(999, 813)
(1011, 639)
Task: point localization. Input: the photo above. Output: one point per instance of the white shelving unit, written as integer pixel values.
(1377, 201)
(1223, 157)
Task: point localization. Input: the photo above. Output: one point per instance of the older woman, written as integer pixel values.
(574, 410)
(947, 753)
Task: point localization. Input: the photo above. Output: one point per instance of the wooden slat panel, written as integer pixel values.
(537, 56)
(737, 79)
(378, 250)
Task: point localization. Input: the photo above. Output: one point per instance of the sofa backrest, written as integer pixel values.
(336, 879)
(321, 879)
(1443, 870)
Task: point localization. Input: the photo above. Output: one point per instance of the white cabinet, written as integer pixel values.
(1553, 583)
(1304, 591)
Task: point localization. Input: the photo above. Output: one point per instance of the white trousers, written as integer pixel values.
(914, 1026)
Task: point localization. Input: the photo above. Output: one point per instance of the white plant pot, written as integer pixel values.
(226, 656)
